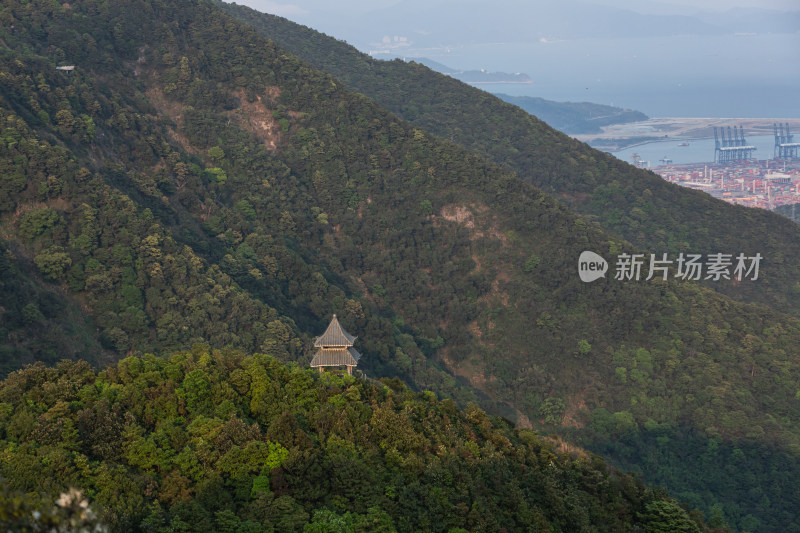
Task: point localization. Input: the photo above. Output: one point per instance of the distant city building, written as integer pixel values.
(335, 348)
(751, 183)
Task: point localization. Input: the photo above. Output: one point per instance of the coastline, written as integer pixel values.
(497, 82)
(619, 136)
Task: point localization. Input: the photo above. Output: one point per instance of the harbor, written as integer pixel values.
(728, 165)
(677, 130)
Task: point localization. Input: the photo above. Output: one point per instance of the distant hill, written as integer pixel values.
(574, 117)
(475, 76)
(751, 20)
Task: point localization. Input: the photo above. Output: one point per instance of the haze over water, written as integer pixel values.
(688, 76)
(666, 58)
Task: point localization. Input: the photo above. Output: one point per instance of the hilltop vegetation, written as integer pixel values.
(216, 441)
(192, 182)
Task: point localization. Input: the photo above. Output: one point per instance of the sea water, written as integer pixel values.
(698, 151)
(742, 76)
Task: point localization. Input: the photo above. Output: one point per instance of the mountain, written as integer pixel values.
(190, 182)
(233, 443)
(751, 20)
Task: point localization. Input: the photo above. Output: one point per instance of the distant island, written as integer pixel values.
(574, 117)
(475, 77)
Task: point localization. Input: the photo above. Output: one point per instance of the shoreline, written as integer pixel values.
(618, 137)
(654, 140)
(685, 128)
(502, 82)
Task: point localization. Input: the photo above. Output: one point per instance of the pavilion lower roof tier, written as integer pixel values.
(336, 357)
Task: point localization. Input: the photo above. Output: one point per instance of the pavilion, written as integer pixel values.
(335, 348)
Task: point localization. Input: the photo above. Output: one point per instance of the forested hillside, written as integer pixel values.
(189, 181)
(39, 322)
(216, 441)
(633, 203)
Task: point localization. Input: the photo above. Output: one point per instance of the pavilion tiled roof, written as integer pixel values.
(334, 336)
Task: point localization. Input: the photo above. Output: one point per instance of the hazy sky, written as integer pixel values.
(301, 8)
(697, 63)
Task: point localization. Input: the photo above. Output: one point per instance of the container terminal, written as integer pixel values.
(736, 177)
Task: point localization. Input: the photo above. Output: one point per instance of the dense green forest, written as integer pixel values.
(38, 322)
(635, 204)
(217, 441)
(192, 182)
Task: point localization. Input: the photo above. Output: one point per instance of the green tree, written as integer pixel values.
(53, 262)
(552, 409)
(663, 516)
